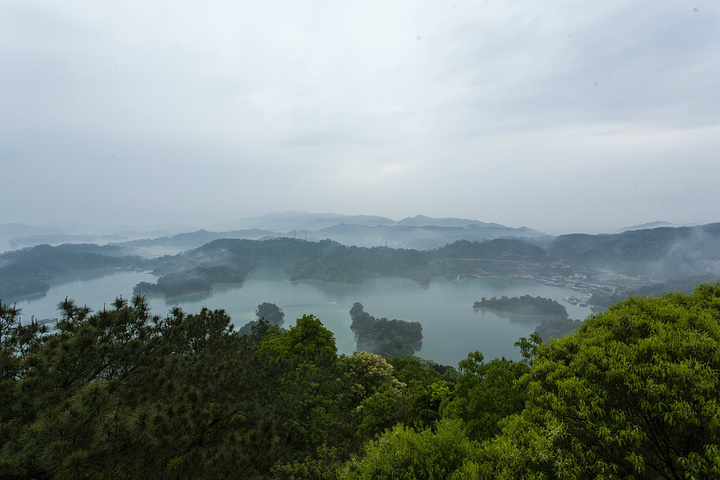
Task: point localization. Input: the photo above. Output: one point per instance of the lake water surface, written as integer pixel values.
(451, 327)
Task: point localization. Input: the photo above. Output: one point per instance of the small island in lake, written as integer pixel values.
(195, 280)
(387, 338)
(525, 305)
(266, 312)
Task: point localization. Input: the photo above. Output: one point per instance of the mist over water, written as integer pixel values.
(451, 327)
(85, 290)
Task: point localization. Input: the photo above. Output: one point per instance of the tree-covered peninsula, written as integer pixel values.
(30, 271)
(195, 280)
(524, 305)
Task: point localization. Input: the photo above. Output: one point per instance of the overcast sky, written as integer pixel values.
(562, 116)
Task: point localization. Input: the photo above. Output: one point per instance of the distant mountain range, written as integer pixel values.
(419, 232)
(317, 221)
(19, 235)
(283, 221)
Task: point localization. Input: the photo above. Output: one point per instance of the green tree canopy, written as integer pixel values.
(123, 394)
(120, 393)
(308, 340)
(486, 393)
(634, 393)
(406, 454)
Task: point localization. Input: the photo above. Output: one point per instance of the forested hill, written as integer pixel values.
(499, 249)
(332, 262)
(30, 271)
(659, 252)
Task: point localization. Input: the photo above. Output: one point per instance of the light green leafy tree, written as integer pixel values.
(308, 340)
(406, 454)
(634, 393)
(365, 373)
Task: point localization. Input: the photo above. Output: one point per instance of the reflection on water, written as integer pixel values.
(451, 327)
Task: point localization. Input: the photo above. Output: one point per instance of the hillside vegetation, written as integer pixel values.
(122, 393)
(661, 253)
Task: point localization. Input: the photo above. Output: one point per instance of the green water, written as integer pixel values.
(451, 327)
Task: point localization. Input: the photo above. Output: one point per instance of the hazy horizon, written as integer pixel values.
(79, 228)
(557, 116)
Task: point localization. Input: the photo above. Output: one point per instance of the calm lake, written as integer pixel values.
(451, 327)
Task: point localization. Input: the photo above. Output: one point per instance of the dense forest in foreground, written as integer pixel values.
(123, 393)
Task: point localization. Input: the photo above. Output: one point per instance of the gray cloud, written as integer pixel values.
(556, 115)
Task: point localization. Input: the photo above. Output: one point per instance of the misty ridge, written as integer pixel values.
(418, 232)
(349, 249)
